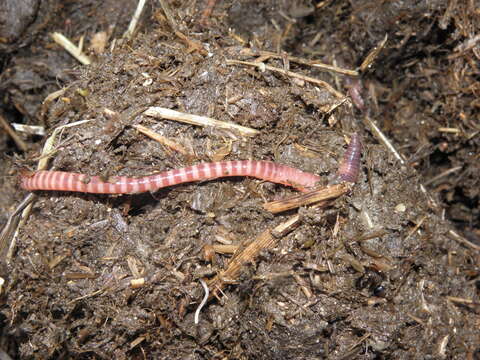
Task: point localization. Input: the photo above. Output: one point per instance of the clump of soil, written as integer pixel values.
(379, 272)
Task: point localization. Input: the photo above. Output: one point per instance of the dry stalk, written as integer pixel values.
(443, 174)
(383, 139)
(72, 49)
(463, 241)
(10, 131)
(315, 196)
(225, 249)
(263, 67)
(193, 45)
(159, 112)
(49, 99)
(163, 140)
(16, 221)
(133, 22)
(322, 66)
(266, 240)
(29, 129)
(373, 54)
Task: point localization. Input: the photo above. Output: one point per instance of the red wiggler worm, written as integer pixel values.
(350, 166)
(264, 170)
(355, 92)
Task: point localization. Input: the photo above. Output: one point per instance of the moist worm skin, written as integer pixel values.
(350, 166)
(265, 170)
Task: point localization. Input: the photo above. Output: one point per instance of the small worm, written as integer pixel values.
(355, 92)
(350, 166)
(265, 170)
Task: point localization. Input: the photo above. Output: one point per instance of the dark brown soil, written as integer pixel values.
(389, 271)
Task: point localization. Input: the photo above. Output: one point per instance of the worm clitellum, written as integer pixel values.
(264, 170)
(350, 166)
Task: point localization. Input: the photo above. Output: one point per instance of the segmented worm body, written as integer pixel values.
(264, 170)
(355, 92)
(350, 166)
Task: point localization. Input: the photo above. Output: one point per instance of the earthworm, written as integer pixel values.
(350, 166)
(355, 92)
(265, 170)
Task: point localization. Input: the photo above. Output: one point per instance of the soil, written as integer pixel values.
(388, 271)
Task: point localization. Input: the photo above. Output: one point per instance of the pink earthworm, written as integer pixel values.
(355, 92)
(265, 170)
(350, 166)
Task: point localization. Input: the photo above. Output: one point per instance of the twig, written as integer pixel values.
(49, 144)
(75, 51)
(369, 235)
(48, 100)
(42, 164)
(285, 227)
(133, 23)
(225, 249)
(92, 294)
(468, 303)
(168, 14)
(137, 341)
(204, 301)
(303, 285)
(443, 174)
(163, 140)
(465, 46)
(293, 300)
(460, 300)
(10, 131)
(463, 241)
(12, 223)
(350, 352)
(415, 228)
(317, 195)
(432, 202)
(322, 4)
(372, 55)
(264, 67)
(449, 130)
(298, 60)
(29, 129)
(159, 112)
(383, 139)
(266, 240)
(192, 44)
